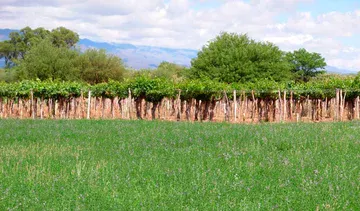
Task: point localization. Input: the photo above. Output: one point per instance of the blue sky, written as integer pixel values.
(329, 27)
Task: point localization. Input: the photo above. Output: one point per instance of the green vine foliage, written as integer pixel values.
(155, 89)
(204, 90)
(110, 90)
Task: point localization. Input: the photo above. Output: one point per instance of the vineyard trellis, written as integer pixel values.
(156, 98)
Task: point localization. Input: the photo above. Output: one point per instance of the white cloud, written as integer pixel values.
(176, 23)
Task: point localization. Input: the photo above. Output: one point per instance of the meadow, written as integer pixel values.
(154, 165)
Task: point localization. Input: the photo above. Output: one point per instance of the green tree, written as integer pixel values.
(97, 66)
(305, 65)
(232, 57)
(63, 37)
(45, 61)
(20, 42)
(170, 71)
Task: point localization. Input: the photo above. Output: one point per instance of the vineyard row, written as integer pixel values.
(239, 108)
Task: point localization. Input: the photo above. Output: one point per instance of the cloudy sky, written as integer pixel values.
(330, 27)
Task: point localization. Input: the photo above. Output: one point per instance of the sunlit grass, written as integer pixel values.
(122, 165)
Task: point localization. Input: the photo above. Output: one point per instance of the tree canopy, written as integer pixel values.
(305, 65)
(20, 42)
(170, 71)
(237, 58)
(45, 61)
(97, 66)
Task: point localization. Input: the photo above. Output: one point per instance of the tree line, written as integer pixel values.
(40, 54)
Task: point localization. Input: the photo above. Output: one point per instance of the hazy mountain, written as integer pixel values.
(332, 69)
(139, 56)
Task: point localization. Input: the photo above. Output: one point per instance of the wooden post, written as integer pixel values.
(309, 109)
(89, 105)
(112, 108)
(336, 105)
(285, 111)
(253, 106)
(280, 107)
(235, 106)
(129, 103)
(298, 110)
(81, 113)
(1, 107)
(103, 102)
(20, 108)
(32, 104)
(244, 105)
(56, 106)
(226, 106)
(41, 107)
(179, 106)
(341, 106)
(291, 105)
(357, 107)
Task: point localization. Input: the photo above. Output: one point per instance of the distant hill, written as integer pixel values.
(332, 69)
(139, 56)
(4, 33)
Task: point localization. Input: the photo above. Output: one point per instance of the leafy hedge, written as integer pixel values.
(155, 89)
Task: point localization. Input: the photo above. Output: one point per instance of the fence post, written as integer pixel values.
(41, 108)
(32, 104)
(179, 106)
(89, 105)
(280, 107)
(357, 107)
(285, 111)
(235, 106)
(129, 103)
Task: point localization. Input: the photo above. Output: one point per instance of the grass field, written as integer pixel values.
(124, 165)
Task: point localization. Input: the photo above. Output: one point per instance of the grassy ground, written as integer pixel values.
(118, 165)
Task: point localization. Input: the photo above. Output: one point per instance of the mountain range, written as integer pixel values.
(141, 56)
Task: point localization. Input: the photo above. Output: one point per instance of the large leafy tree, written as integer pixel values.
(305, 65)
(20, 42)
(45, 61)
(97, 66)
(232, 57)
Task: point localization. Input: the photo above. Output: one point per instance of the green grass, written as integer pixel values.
(132, 165)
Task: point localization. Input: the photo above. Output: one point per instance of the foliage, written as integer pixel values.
(21, 42)
(151, 89)
(237, 58)
(45, 61)
(110, 90)
(42, 89)
(204, 90)
(143, 86)
(305, 65)
(62, 37)
(96, 66)
(170, 71)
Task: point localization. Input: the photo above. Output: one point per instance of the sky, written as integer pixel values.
(328, 27)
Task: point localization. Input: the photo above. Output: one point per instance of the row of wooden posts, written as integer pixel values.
(240, 109)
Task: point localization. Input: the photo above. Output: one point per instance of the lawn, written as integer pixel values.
(132, 165)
